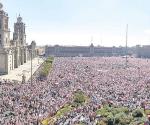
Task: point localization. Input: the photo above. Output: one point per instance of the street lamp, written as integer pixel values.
(126, 44)
(31, 65)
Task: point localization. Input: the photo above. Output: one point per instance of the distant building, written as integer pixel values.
(85, 51)
(16, 52)
(143, 51)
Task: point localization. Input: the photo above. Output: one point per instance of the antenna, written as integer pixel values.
(126, 43)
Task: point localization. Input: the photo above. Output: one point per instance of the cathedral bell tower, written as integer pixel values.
(4, 30)
(19, 34)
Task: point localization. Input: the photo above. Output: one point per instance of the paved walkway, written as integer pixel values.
(25, 69)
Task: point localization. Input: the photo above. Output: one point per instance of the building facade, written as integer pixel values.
(89, 51)
(143, 51)
(15, 52)
(83, 51)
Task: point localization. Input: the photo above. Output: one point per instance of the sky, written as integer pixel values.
(80, 22)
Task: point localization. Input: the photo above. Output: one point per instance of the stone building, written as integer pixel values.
(143, 51)
(15, 52)
(85, 51)
(139, 51)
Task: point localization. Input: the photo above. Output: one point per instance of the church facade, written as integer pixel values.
(15, 52)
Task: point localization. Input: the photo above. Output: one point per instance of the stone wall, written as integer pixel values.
(3, 63)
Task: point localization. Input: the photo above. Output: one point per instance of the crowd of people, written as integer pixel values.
(100, 78)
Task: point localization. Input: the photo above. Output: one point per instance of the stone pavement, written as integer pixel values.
(25, 69)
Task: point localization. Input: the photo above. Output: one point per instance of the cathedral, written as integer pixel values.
(15, 52)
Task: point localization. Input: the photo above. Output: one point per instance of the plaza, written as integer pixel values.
(25, 69)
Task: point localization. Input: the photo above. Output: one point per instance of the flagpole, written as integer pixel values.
(126, 43)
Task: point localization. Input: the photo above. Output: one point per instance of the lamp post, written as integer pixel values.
(31, 66)
(126, 44)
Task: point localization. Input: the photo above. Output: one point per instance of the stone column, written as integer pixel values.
(16, 58)
(25, 55)
(13, 60)
(22, 56)
(6, 63)
(19, 57)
